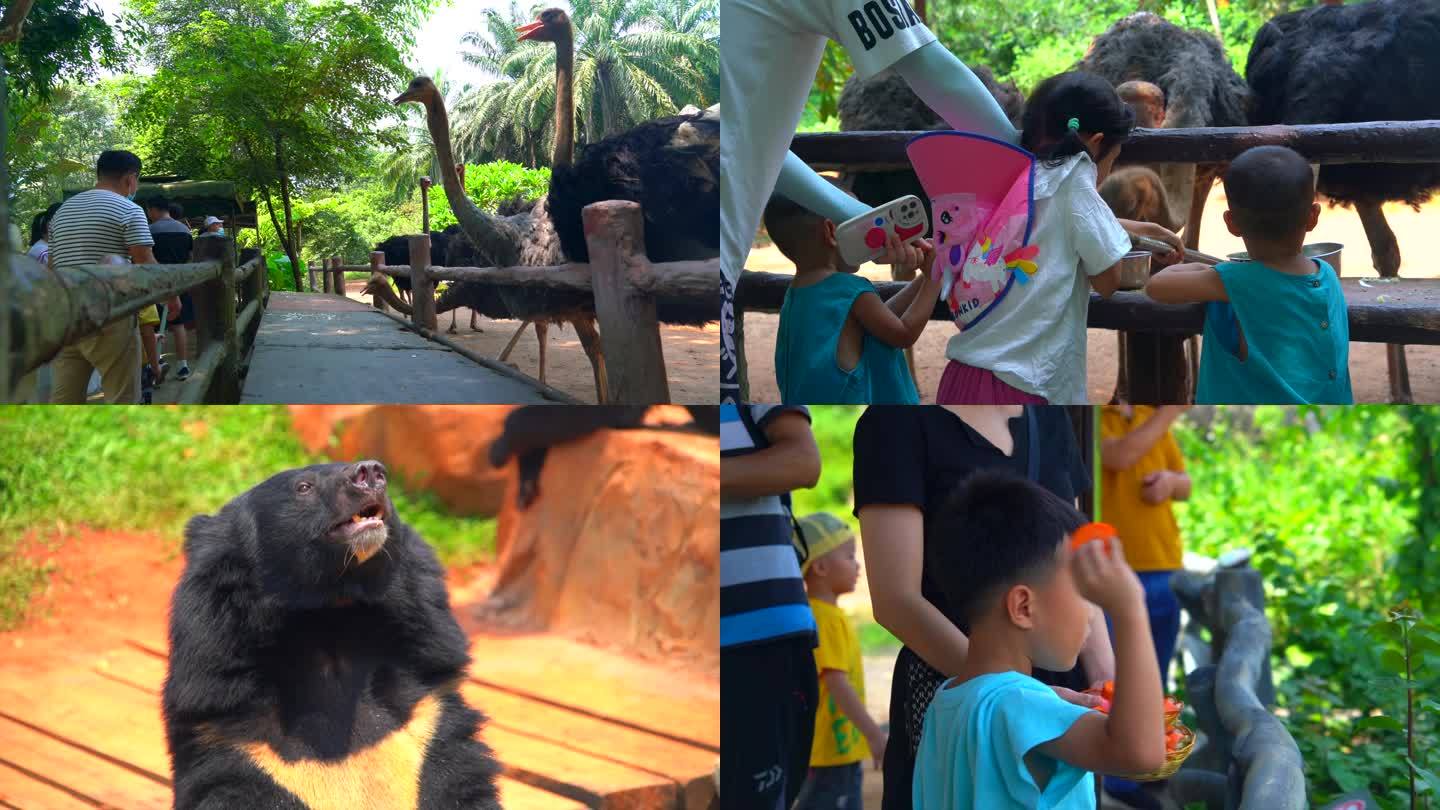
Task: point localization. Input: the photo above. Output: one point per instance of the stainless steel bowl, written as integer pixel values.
(1134, 270)
(1329, 251)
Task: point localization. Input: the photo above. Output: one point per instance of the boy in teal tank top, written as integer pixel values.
(838, 342)
(1277, 329)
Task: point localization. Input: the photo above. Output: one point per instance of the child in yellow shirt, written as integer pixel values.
(845, 734)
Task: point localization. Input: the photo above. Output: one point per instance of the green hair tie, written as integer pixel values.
(1074, 125)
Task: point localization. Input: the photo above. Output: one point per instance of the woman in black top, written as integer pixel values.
(908, 460)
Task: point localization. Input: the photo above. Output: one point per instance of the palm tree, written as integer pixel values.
(634, 60)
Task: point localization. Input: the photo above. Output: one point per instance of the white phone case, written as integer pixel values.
(862, 238)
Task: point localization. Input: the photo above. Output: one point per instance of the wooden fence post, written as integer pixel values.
(325, 277)
(215, 319)
(339, 283)
(422, 284)
(629, 332)
(1157, 372)
(310, 267)
(376, 260)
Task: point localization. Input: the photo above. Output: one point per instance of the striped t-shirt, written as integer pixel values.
(94, 224)
(762, 597)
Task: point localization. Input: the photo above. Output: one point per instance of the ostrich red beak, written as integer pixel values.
(530, 31)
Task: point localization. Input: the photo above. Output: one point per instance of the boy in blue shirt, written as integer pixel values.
(838, 342)
(1277, 330)
(994, 737)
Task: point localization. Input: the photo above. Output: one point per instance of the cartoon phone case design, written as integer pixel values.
(862, 238)
(982, 195)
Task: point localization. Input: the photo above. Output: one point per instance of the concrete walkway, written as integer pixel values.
(315, 348)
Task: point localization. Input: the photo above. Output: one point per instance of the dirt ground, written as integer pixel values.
(1369, 380)
(692, 354)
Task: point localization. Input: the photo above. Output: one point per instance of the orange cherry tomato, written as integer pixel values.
(1092, 531)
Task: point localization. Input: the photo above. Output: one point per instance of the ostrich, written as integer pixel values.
(1200, 90)
(671, 166)
(397, 253)
(1374, 61)
(526, 239)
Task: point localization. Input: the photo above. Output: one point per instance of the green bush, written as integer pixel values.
(150, 469)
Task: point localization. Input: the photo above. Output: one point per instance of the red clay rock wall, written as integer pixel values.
(442, 448)
(621, 548)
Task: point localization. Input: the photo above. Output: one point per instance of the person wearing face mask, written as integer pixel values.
(97, 227)
(213, 225)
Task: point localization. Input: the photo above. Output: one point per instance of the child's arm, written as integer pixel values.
(899, 302)
(1131, 739)
(901, 330)
(792, 461)
(1186, 284)
(1155, 230)
(854, 708)
(1108, 282)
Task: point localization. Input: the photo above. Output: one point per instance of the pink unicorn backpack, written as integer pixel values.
(982, 201)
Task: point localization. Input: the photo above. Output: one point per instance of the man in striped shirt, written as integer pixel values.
(90, 228)
(768, 685)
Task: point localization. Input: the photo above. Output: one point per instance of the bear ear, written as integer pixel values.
(230, 528)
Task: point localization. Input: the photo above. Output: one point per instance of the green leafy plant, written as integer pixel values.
(1408, 646)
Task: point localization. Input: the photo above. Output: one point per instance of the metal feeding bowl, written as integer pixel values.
(1329, 251)
(1134, 270)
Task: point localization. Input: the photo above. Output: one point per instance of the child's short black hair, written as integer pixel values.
(158, 203)
(996, 530)
(792, 227)
(1270, 189)
(1087, 98)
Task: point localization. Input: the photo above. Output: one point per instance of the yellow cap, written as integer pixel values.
(823, 534)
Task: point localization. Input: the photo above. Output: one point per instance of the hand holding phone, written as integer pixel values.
(862, 239)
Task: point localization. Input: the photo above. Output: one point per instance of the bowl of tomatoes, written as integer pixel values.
(1179, 740)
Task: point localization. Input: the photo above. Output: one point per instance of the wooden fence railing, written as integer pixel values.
(1247, 760)
(50, 309)
(1397, 312)
(621, 279)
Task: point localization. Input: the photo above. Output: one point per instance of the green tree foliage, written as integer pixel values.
(349, 223)
(62, 41)
(1026, 41)
(283, 97)
(52, 143)
(634, 60)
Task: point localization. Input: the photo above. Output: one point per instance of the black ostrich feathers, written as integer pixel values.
(671, 166)
(1375, 61)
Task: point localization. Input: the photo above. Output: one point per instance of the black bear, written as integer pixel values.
(314, 661)
(532, 429)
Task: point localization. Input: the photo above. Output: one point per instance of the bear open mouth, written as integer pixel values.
(370, 516)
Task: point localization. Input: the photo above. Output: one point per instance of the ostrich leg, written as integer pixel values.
(453, 312)
(1385, 255)
(542, 329)
(515, 338)
(474, 326)
(590, 342)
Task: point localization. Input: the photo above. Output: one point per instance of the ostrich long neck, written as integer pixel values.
(564, 100)
(495, 237)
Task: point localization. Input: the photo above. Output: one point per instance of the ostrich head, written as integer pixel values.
(420, 91)
(552, 26)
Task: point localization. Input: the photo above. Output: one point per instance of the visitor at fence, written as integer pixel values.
(213, 225)
(1143, 474)
(768, 58)
(1030, 349)
(838, 341)
(93, 225)
(907, 463)
(994, 737)
(1277, 328)
(40, 235)
(845, 734)
(767, 631)
(173, 245)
